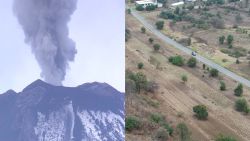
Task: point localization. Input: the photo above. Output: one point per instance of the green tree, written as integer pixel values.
(224, 138)
(192, 62)
(230, 39)
(156, 47)
(221, 39)
(151, 40)
(139, 8)
(177, 10)
(237, 61)
(214, 72)
(140, 65)
(200, 112)
(143, 30)
(159, 25)
(140, 81)
(129, 11)
(184, 78)
(177, 60)
(132, 123)
(222, 86)
(241, 105)
(183, 132)
(238, 91)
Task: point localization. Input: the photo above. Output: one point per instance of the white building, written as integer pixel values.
(174, 5)
(146, 3)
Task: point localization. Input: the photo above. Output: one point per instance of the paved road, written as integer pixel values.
(206, 61)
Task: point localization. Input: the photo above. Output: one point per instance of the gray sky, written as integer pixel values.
(97, 27)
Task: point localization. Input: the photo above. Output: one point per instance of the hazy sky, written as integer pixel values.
(97, 27)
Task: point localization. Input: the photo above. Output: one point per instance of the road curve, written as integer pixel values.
(200, 58)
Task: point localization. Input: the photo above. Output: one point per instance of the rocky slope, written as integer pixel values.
(42, 112)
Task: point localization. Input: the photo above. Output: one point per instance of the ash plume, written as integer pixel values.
(44, 23)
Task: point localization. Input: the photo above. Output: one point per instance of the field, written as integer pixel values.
(175, 99)
(205, 37)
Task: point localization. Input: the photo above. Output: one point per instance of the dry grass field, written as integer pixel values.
(175, 99)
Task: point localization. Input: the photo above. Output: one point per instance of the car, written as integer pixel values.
(193, 53)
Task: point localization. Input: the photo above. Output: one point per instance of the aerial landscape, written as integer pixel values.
(187, 70)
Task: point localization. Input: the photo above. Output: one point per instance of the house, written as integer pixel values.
(177, 4)
(145, 3)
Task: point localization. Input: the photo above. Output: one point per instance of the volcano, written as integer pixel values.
(43, 112)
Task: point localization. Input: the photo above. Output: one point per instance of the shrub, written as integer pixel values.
(140, 80)
(184, 78)
(159, 25)
(221, 39)
(132, 123)
(168, 128)
(177, 60)
(161, 134)
(143, 29)
(140, 65)
(200, 112)
(151, 40)
(139, 8)
(222, 86)
(183, 132)
(150, 7)
(238, 91)
(237, 61)
(129, 11)
(192, 62)
(241, 105)
(204, 66)
(225, 138)
(214, 72)
(156, 47)
(230, 39)
(157, 118)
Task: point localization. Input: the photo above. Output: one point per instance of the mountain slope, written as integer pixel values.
(42, 112)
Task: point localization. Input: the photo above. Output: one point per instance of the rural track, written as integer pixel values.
(186, 50)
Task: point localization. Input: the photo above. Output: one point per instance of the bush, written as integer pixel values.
(150, 7)
(225, 138)
(221, 39)
(130, 87)
(230, 39)
(238, 91)
(222, 86)
(159, 25)
(177, 60)
(168, 128)
(156, 47)
(203, 66)
(161, 134)
(192, 62)
(132, 123)
(140, 80)
(129, 11)
(184, 78)
(214, 72)
(200, 112)
(140, 65)
(143, 29)
(139, 8)
(151, 40)
(241, 105)
(157, 118)
(183, 132)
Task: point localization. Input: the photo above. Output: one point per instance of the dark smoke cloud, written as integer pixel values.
(45, 27)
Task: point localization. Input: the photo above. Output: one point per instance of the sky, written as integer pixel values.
(97, 27)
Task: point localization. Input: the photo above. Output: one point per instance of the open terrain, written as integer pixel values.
(174, 99)
(205, 37)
